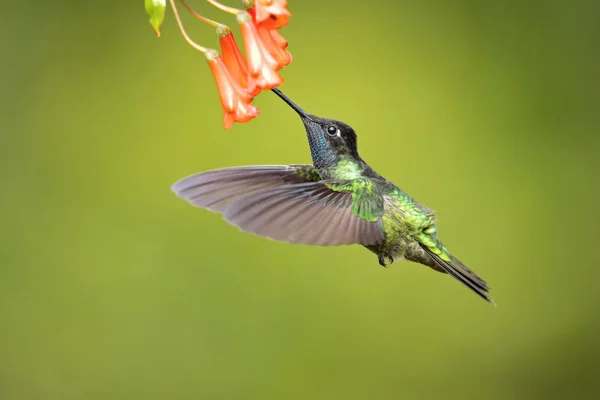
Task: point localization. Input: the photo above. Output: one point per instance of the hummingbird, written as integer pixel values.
(338, 200)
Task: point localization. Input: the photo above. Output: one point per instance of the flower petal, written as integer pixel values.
(272, 14)
(234, 99)
(235, 62)
(262, 66)
(282, 56)
(280, 40)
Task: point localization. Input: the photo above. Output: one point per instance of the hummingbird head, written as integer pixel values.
(330, 140)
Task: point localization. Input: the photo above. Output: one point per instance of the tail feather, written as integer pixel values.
(463, 274)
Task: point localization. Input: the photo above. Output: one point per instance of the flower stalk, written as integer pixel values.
(222, 7)
(187, 38)
(200, 17)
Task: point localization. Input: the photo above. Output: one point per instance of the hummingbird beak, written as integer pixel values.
(303, 114)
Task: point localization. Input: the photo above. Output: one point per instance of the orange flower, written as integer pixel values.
(275, 43)
(280, 40)
(272, 14)
(235, 62)
(261, 64)
(282, 56)
(234, 99)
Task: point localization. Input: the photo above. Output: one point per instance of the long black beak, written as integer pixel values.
(303, 114)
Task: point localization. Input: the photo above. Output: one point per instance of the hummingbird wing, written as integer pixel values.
(313, 213)
(287, 203)
(215, 189)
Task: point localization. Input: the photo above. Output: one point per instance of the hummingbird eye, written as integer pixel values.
(332, 130)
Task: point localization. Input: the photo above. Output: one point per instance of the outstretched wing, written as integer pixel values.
(215, 189)
(287, 203)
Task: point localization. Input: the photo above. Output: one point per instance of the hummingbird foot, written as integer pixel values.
(382, 260)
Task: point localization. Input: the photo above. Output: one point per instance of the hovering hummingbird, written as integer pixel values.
(339, 200)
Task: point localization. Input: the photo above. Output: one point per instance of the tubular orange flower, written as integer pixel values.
(272, 14)
(234, 99)
(235, 62)
(282, 56)
(275, 43)
(280, 40)
(261, 64)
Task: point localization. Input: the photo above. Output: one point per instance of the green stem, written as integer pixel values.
(225, 8)
(183, 32)
(200, 17)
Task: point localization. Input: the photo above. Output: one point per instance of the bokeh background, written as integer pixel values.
(113, 288)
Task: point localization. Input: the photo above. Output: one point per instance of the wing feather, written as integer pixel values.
(286, 203)
(316, 215)
(215, 189)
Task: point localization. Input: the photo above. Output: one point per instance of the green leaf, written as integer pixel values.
(156, 11)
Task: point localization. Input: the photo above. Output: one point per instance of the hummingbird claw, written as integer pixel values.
(382, 260)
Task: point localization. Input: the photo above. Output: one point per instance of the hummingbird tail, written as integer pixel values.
(459, 271)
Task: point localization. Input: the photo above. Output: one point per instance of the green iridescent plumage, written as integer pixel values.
(366, 203)
(308, 173)
(338, 200)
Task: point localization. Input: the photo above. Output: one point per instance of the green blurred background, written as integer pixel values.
(113, 288)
